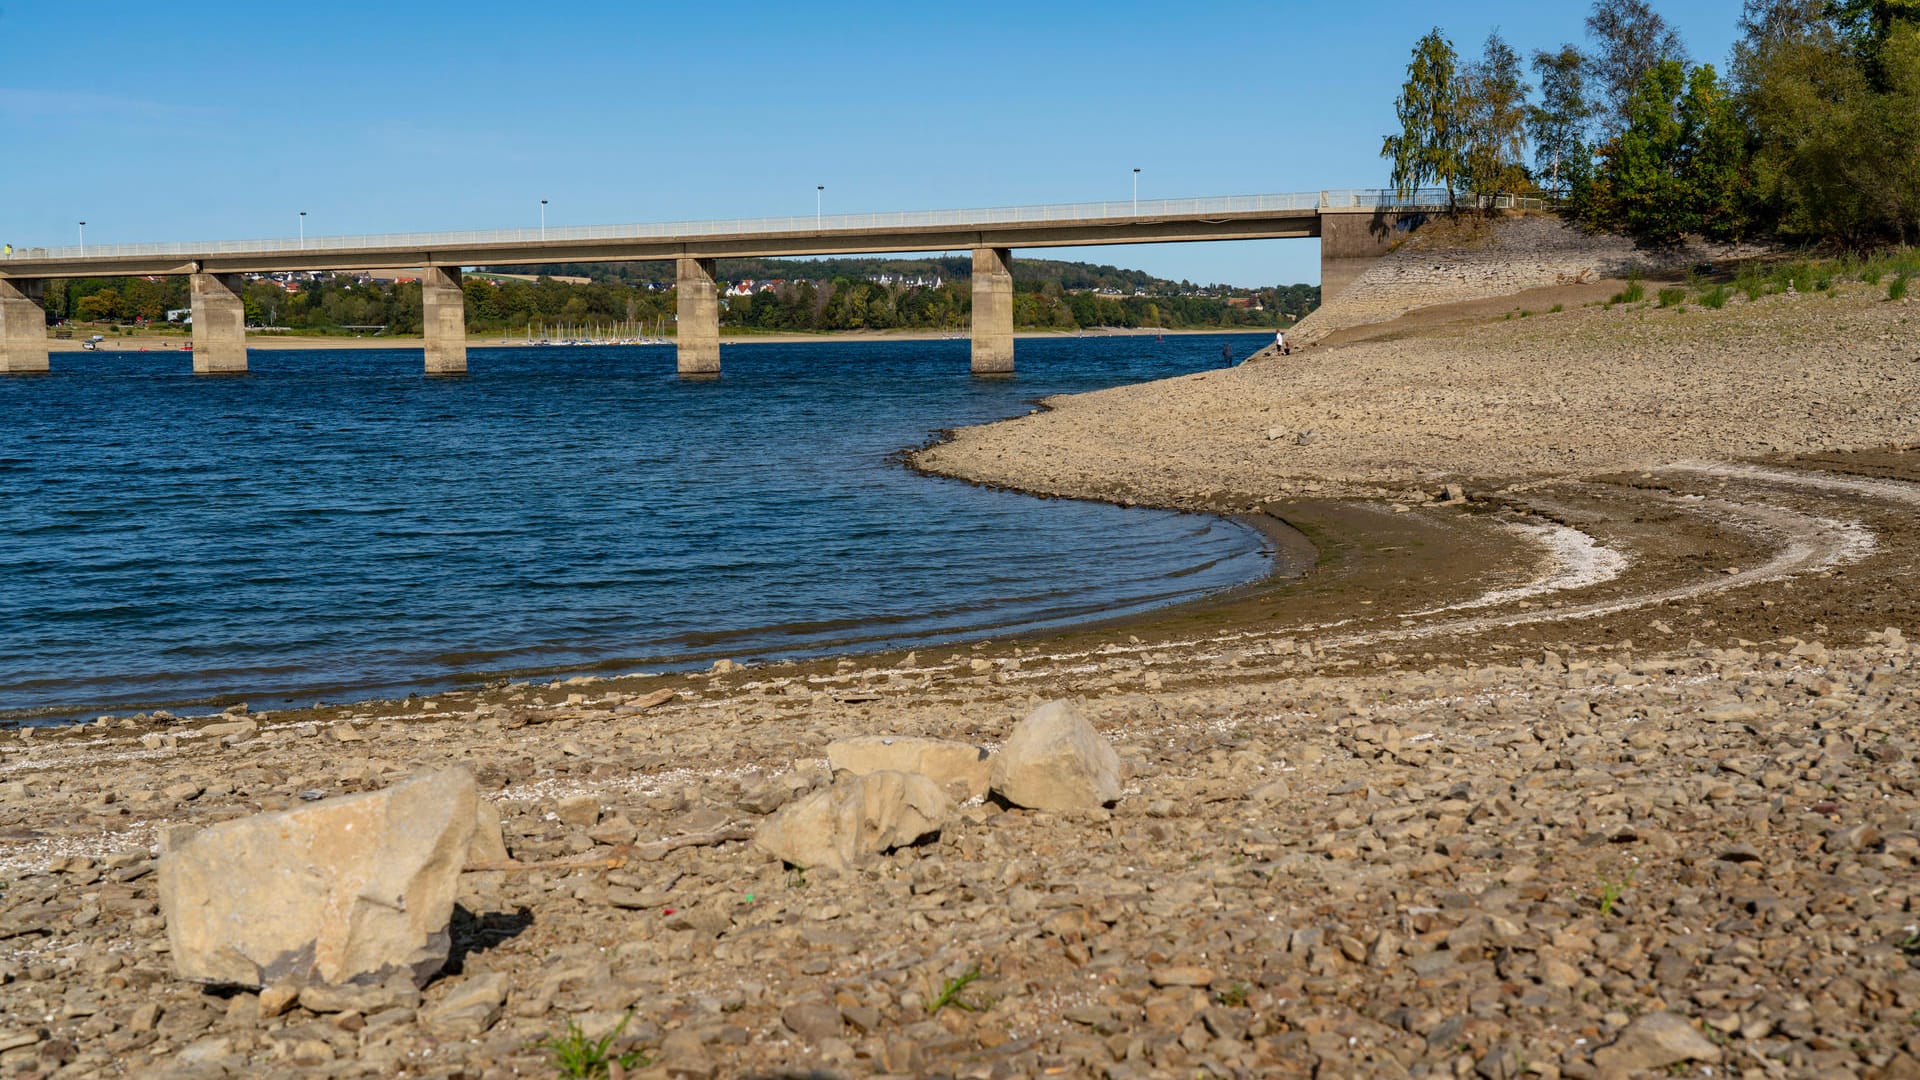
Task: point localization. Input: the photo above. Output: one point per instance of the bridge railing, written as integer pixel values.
(1117, 211)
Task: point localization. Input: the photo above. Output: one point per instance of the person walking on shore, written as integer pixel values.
(1280, 343)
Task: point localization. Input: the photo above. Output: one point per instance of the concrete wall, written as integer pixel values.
(1352, 242)
(23, 327)
(698, 327)
(443, 315)
(219, 324)
(992, 311)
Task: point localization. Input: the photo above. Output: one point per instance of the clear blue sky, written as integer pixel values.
(186, 120)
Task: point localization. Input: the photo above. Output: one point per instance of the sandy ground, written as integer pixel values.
(1606, 767)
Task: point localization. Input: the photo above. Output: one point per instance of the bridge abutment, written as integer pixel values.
(992, 311)
(23, 327)
(219, 324)
(1350, 242)
(443, 320)
(697, 327)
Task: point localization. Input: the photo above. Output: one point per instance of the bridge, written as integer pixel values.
(1354, 228)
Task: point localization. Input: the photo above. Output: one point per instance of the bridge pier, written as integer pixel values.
(992, 311)
(698, 325)
(443, 320)
(1350, 242)
(23, 327)
(219, 325)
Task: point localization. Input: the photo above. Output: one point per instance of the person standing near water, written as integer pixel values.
(1226, 353)
(1280, 342)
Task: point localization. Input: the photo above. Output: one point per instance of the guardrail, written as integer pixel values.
(1425, 199)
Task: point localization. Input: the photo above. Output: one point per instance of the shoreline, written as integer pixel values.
(320, 342)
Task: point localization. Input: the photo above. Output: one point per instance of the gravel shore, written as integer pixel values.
(1602, 764)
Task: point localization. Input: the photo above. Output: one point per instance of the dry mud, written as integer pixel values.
(1608, 769)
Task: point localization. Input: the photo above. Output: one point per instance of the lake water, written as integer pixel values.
(335, 525)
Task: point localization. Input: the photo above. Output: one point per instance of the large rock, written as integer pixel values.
(1654, 1041)
(1054, 760)
(350, 890)
(959, 768)
(844, 825)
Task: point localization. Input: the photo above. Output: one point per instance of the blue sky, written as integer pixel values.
(185, 121)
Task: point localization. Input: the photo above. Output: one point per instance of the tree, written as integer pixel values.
(1559, 123)
(1428, 145)
(1679, 166)
(1493, 104)
(1630, 40)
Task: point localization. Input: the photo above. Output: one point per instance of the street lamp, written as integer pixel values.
(543, 219)
(818, 191)
(303, 230)
(1136, 193)
(83, 239)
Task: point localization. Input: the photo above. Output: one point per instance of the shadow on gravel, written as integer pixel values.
(477, 933)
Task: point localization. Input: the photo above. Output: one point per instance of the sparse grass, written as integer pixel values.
(575, 1055)
(1672, 296)
(1525, 314)
(1910, 945)
(1235, 996)
(950, 994)
(1556, 309)
(1897, 288)
(1716, 297)
(1635, 292)
(1610, 893)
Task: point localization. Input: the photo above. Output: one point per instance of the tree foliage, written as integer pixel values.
(1558, 123)
(1630, 41)
(1493, 105)
(1428, 145)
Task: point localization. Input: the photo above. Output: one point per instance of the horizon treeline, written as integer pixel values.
(1810, 134)
(1048, 295)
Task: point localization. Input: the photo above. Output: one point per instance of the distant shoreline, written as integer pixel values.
(173, 343)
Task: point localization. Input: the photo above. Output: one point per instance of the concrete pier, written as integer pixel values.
(443, 320)
(23, 327)
(992, 311)
(1352, 241)
(698, 327)
(219, 324)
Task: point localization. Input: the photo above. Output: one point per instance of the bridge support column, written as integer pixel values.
(1352, 241)
(992, 311)
(23, 327)
(698, 325)
(443, 319)
(219, 325)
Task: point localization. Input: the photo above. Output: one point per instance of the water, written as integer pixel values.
(335, 525)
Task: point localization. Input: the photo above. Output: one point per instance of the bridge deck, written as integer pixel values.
(1237, 217)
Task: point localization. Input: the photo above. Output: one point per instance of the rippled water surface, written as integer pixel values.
(334, 524)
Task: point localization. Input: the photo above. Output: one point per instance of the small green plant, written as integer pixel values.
(797, 878)
(1897, 288)
(1525, 314)
(1910, 945)
(1235, 996)
(1556, 309)
(1670, 297)
(577, 1056)
(1635, 292)
(1716, 297)
(950, 993)
(1610, 893)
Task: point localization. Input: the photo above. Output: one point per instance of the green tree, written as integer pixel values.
(1559, 122)
(1428, 145)
(1679, 166)
(1630, 40)
(1493, 106)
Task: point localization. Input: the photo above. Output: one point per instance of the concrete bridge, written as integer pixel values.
(1354, 227)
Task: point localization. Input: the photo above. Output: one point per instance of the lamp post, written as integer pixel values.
(1136, 193)
(83, 239)
(543, 219)
(819, 191)
(303, 230)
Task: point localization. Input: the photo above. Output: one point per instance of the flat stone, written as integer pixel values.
(1654, 1041)
(470, 1008)
(1054, 760)
(812, 1020)
(961, 769)
(353, 889)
